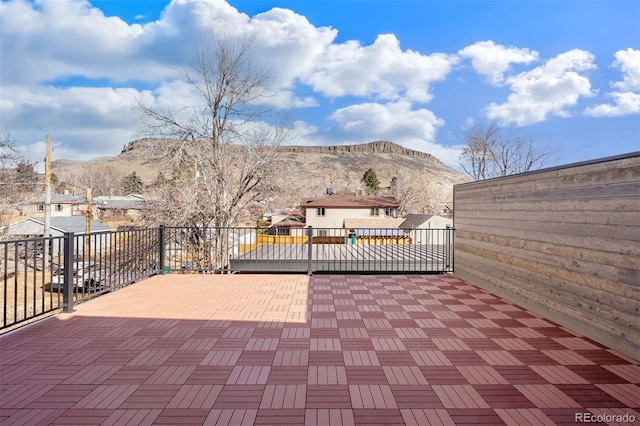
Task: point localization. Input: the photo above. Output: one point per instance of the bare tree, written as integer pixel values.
(219, 152)
(102, 179)
(491, 153)
(18, 179)
(406, 191)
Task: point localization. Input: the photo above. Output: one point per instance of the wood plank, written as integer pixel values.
(622, 232)
(571, 216)
(624, 170)
(568, 265)
(596, 276)
(631, 189)
(562, 251)
(619, 296)
(604, 204)
(600, 328)
(629, 249)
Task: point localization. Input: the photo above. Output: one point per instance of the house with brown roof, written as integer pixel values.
(285, 225)
(332, 211)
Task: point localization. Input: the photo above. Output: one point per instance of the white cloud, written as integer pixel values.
(387, 121)
(288, 99)
(89, 122)
(629, 62)
(396, 122)
(50, 46)
(625, 103)
(627, 98)
(51, 39)
(52, 49)
(290, 43)
(494, 60)
(380, 70)
(547, 90)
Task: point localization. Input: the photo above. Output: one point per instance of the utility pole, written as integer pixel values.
(47, 200)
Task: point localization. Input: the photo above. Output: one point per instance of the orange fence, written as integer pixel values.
(272, 239)
(262, 239)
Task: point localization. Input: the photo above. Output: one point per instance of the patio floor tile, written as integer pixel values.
(321, 350)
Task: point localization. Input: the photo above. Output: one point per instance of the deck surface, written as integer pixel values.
(345, 258)
(327, 349)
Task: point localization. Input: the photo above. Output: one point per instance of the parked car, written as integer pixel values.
(86, 275)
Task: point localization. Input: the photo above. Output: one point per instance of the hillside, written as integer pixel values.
(309, 170)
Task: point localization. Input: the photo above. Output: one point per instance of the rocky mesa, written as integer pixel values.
(307, 171)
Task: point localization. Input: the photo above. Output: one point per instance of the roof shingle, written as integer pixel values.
(349, 199)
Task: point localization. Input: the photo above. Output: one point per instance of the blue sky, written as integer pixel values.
(419, 73)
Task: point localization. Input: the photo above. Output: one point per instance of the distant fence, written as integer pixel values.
(563, 242)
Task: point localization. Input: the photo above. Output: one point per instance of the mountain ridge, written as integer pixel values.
(307, 171)
(373, 147)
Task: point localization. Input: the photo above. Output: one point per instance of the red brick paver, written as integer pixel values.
(324, 350)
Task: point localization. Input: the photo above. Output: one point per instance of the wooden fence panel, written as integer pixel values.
(562, 242)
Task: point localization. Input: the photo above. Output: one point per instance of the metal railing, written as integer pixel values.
(43, 275)
(25, 272)
(308, 250)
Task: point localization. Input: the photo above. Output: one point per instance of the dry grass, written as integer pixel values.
(25, 295)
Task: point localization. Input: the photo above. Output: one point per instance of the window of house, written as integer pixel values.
(375, 211)
(320, 211)
(40, 207)
(58, 207)
(323, 232)
(389, 211)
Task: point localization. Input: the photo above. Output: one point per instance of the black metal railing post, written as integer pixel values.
(310, 250)
(161, 247)
(453, 249)
(67, 288)
(447, 248)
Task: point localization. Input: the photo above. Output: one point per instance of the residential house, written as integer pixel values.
(287, 225)
(62, 205)
(119, 209)
(332, 210)
(34, 227)
(290, 222)
(426, 228)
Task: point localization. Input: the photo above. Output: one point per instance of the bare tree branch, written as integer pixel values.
(220, 149)
(489, 153)
(18, 178)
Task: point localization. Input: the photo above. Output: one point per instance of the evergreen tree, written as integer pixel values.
(132, 184)
(370, 179)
